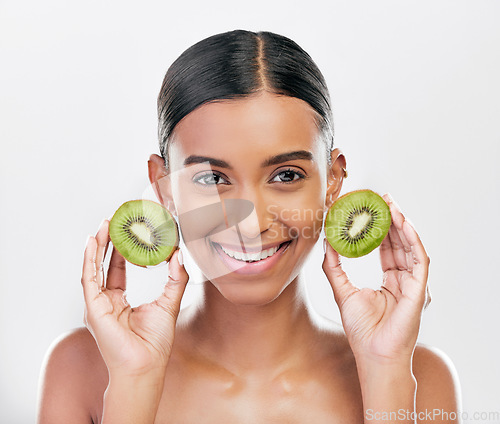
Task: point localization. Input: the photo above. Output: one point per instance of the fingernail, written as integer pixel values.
(180, 258)
(102, 223)
(324, 245)
(87, 241)
(391, 200)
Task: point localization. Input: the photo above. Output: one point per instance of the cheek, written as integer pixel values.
(301, 215)
(198, 215)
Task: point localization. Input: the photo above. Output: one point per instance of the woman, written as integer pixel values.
(247, 116)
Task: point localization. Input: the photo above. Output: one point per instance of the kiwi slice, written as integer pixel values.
(144, 232)
(357, 223)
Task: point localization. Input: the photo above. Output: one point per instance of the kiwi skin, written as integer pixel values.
(339, 219)
(115, 232)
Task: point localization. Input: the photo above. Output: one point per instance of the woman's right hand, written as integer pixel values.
(132, 341)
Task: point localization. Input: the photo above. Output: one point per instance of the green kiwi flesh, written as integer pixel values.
(144, 232)
(357, 223)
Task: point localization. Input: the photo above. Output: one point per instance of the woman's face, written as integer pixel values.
(266, 153)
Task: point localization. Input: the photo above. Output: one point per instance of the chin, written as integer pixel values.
(250, 293)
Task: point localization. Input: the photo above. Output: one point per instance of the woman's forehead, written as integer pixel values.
(265, 123)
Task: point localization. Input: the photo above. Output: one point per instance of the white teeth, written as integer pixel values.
(248, 256)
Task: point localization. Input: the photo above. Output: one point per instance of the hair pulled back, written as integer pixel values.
(237, 64)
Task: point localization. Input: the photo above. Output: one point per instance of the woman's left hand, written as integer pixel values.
(382, 325)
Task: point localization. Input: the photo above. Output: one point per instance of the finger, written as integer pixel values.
(396, 214)
(404, 257)
(117, 278)
(428, 297)
(387, 255)
(341, 286)
(102, 238)
(89, 278)
(398, 249)
(420, 258)
(416, 256)
(170, 299)
(391, 282)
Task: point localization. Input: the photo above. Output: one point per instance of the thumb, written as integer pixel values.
(341, 286)
(173, 291)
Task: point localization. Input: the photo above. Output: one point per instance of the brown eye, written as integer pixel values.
(288, 176)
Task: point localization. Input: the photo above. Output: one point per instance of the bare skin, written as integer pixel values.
(252, 349)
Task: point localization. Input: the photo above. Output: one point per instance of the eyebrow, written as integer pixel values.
(273, 160)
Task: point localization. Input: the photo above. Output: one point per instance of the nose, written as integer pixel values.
(258, 221)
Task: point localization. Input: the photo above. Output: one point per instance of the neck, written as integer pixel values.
(248, 339)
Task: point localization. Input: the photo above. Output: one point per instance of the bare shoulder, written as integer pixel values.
(75, 352)
(77, 341)
(73, 374)
(438, 386)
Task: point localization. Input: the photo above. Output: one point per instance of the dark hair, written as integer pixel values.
(237, 64)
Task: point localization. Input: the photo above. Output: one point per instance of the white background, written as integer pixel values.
(416, 94)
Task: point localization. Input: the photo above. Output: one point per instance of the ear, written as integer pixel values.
(336, 174)
(160, 180)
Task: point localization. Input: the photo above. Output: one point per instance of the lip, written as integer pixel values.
(241, 267)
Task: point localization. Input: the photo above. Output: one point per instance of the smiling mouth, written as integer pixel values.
(251, 257)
